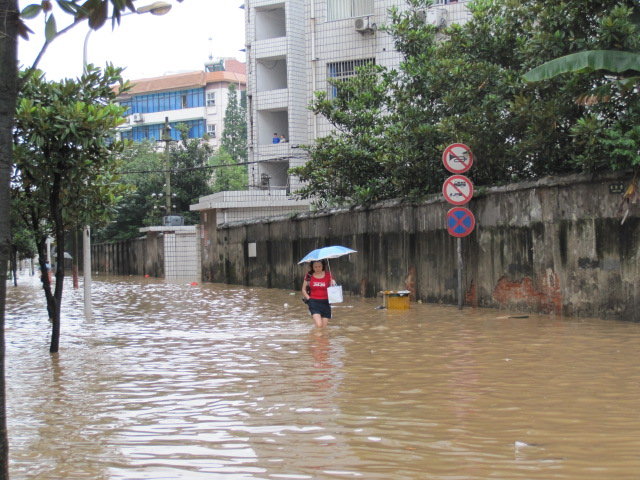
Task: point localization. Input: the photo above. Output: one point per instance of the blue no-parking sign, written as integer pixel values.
(460, 222)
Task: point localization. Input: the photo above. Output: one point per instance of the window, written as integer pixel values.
(211, 130)
(337, 9)
(164, 101)
(154, 131)
(126, 104)
(342, 70)
(211, 99)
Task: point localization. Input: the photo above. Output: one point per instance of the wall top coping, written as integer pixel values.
(169, 229)
(545, 182)
(247, 199)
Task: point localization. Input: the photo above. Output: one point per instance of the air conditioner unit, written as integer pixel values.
(436, 17)
(364, 24)
(136, 118)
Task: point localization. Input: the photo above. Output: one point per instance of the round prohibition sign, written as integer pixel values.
(457, 189)
(460, 222)
(457, 158)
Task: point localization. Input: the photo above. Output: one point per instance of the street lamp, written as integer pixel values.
(155, 8)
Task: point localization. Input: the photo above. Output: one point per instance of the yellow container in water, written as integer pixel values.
(396, 300)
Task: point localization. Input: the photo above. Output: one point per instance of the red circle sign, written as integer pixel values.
(457, 158)
(460, 222)
(457, 189)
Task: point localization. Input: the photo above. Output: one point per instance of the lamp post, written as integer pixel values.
(155, 8)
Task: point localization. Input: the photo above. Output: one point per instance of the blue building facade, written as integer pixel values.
(165, 102)
(196, 99)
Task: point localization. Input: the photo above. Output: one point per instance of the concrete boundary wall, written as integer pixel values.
(139, 256)
(553, 246)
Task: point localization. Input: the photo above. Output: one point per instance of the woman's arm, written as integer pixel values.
(304, 288)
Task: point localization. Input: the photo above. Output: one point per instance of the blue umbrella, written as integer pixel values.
(333, 251)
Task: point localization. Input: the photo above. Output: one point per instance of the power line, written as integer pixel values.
(204, 167)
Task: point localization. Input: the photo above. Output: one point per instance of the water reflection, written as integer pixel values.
(223, 382)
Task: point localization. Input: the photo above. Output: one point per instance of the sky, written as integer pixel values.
(147, 45)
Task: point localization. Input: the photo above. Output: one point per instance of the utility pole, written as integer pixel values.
(166, 138)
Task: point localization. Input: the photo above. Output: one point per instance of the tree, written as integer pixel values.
(142, 166)
(65, 163)
(469, 88)
(349, 164)
(143, 176)
(9, 20)
(191, 178)
(11, 25)
(227, 175)
(234, 136)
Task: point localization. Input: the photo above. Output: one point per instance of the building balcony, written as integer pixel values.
(174, 116)
(272, 100)
(266, 3)
(273, 151)
(272, 47)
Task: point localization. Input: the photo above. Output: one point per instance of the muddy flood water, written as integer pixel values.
(225, 382)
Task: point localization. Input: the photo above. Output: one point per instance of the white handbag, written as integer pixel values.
(335, 294)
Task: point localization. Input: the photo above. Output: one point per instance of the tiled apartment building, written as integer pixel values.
(293, 47)
(197, 99)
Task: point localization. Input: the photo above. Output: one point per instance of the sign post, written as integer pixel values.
(458, 190)
(460, 266)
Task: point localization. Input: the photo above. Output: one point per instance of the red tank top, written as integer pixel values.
(319, 286)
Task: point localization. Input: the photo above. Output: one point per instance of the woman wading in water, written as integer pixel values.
(314, 292)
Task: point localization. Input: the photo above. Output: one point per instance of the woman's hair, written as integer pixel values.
(324, 265)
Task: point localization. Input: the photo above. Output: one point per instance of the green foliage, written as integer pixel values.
(234, 136)
(22, 241)
(65, 163)
(65, 156)
(144, 167)
(227, 175)
(623, 147)
(144, 181)
(353, 157)
(391, 126)
(586, 62)
(191, 179)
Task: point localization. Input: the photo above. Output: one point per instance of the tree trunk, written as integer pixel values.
(58, 226)
(8, 77)
(45, 276)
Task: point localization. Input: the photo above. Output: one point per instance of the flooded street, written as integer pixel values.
(225, 382)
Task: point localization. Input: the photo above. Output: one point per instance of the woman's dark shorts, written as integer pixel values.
(320, 306)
